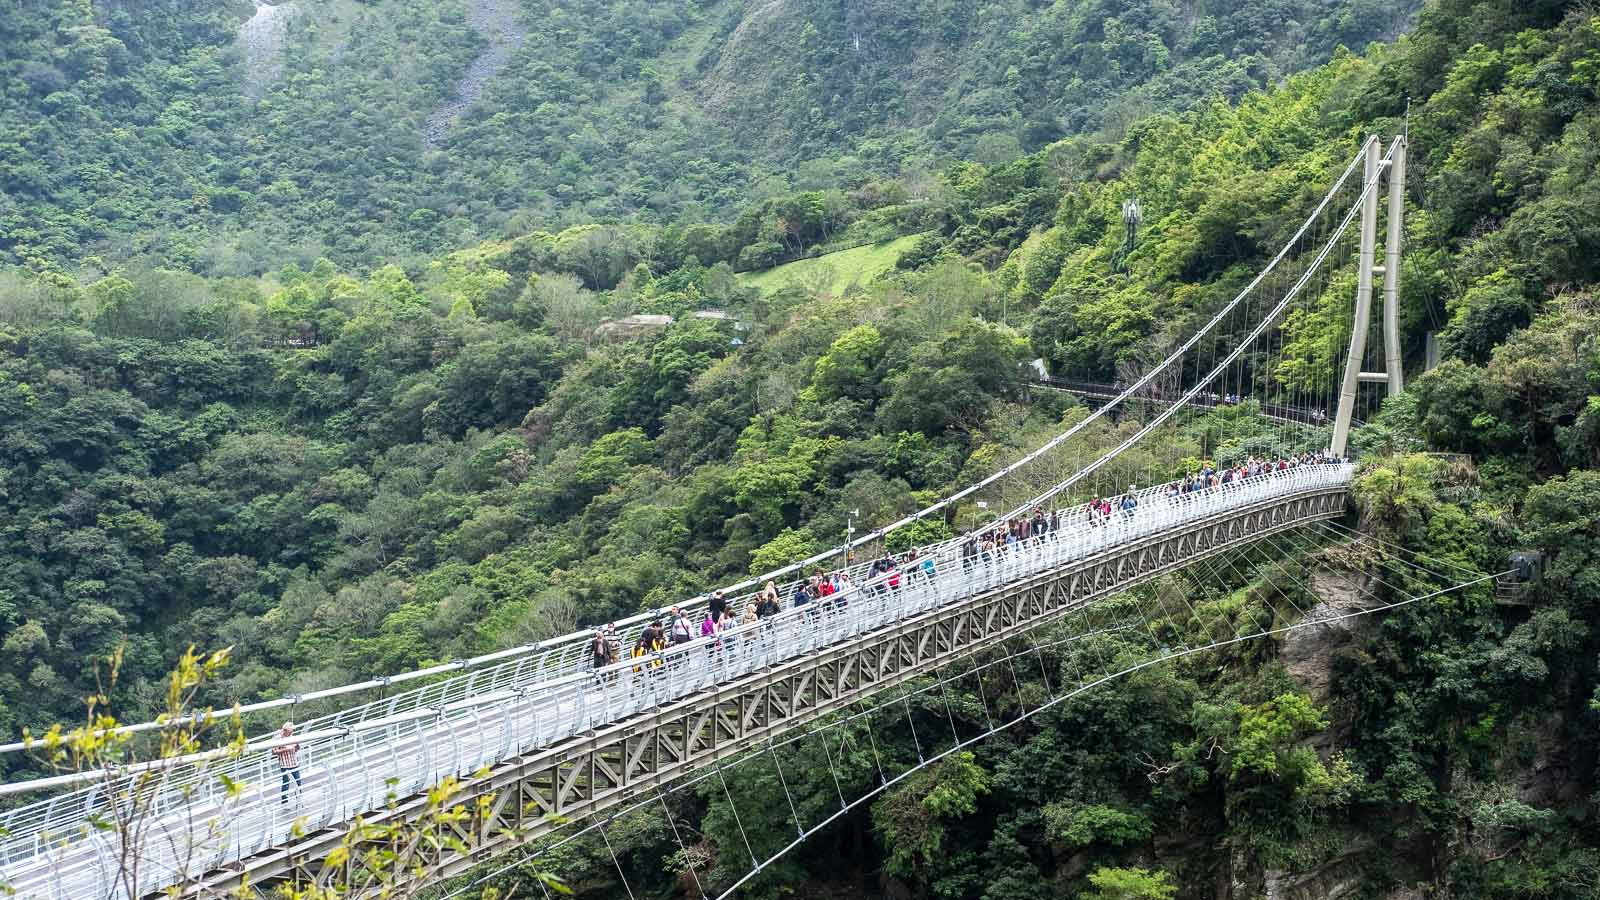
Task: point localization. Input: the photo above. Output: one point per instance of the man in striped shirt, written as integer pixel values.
(288, 756)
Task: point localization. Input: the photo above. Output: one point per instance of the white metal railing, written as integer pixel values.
(350, 769)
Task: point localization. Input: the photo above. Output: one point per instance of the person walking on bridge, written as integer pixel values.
(600, 650)
(614, 642)
(842, 586)
(680, 628)
(771, 603)
(288, 757)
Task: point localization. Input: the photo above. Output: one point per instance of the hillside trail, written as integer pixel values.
(497, 21)
(262, 37)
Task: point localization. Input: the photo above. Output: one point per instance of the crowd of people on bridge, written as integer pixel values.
(822, 593)
(828, 592)
(1210, 476)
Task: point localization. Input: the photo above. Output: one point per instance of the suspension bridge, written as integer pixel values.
(540, 738)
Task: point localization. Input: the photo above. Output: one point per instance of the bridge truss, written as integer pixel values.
(1390, 579)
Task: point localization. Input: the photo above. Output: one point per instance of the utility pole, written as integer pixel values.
(1375, 169)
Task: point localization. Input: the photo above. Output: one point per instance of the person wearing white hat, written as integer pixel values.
(288, 756)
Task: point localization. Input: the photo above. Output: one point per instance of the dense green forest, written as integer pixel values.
(142, 130)
(405, 443)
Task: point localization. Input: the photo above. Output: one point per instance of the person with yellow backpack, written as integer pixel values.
(650, 641)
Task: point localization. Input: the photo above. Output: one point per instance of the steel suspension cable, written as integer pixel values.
(1403, 549)
(1024, 716)
(1192, 393)
(1056, 700)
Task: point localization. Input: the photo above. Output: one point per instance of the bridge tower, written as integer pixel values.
(1378, 170)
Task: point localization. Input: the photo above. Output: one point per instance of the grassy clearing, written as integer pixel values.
(836, 271)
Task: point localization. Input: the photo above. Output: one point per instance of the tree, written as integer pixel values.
(390, 289)
(493, 382)
(1269, 733)
(1130, 884)
(949, 383)
(913, 819)
(1080, 824)
(600, 254)
(789, 545)
(1484, 316)
(1563, 517)
(849, 368)
(1398, 492)
(604, 463)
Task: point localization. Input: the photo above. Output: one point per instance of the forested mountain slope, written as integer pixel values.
(345, 469)
(141, 129)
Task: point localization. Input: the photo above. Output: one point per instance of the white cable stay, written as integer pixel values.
(1201, 385)
(873, 704)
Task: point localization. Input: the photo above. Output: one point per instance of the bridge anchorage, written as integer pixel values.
(534, 737)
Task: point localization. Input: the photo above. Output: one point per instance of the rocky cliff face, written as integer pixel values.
(497, 21)
(262, 37)
(1307, 653)
(1339, 877)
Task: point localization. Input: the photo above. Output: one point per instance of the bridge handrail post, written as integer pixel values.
(480, 752)
(333, 795)
(511, 725)
(672, 676)
(581, 711)
(694, 667)
(605, 699)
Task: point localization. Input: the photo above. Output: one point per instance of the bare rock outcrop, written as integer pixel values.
(497, 21)
(262, 37)
(1336, 878)
(1307, 653)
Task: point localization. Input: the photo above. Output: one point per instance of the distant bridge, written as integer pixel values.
(1100, 392)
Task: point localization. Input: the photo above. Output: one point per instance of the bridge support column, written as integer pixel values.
(1391, 267)
(1362, 318)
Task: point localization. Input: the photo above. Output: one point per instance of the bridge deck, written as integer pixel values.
(644, 722)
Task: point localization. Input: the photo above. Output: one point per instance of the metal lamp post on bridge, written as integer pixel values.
(849, 533)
